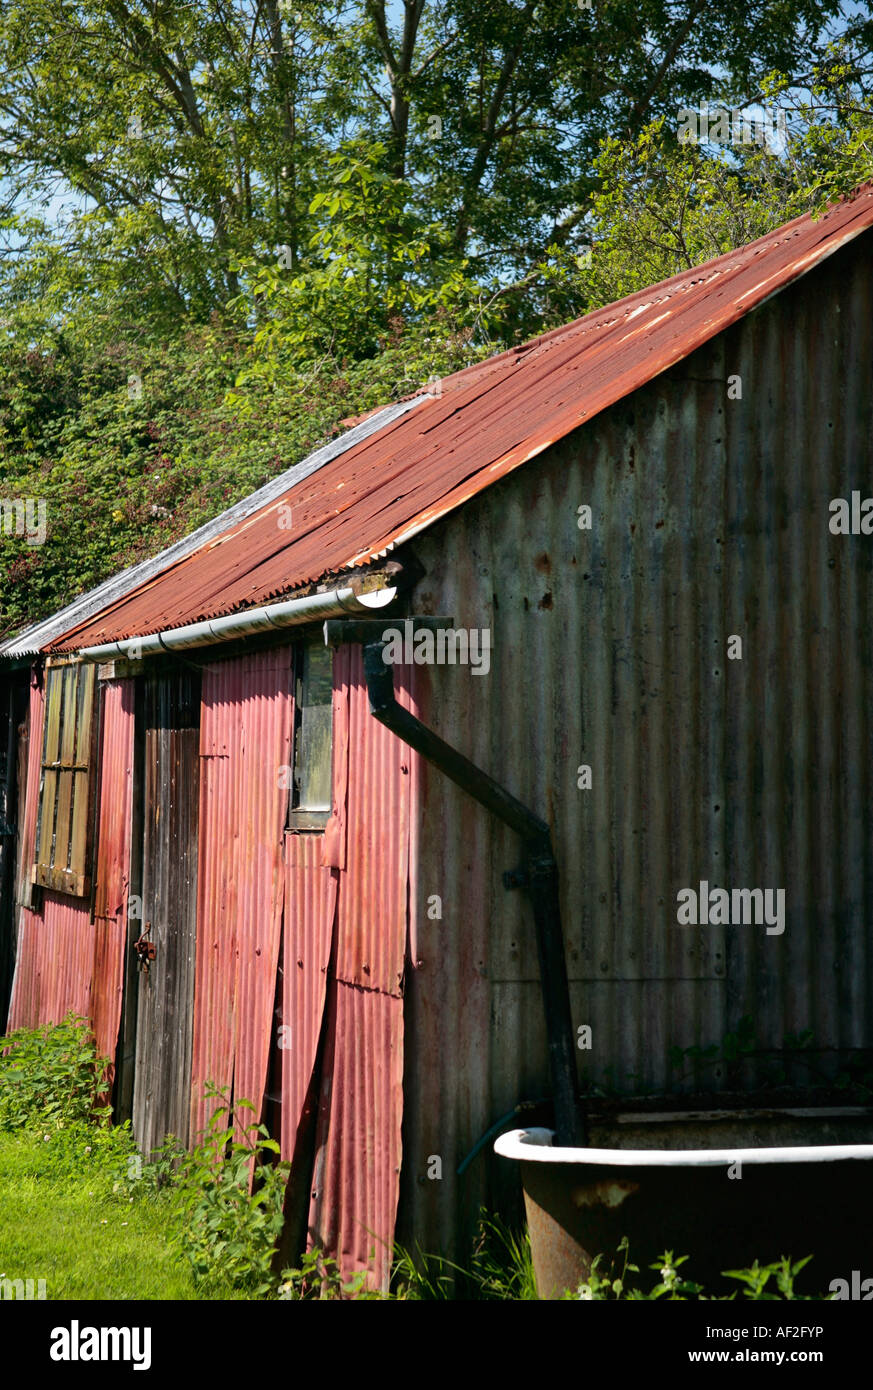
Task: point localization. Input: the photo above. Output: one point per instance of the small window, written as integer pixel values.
(63, 839)
(313, 720)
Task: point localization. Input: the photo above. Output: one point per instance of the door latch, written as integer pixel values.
(145, 950)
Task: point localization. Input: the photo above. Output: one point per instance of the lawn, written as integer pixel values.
(61, 1221)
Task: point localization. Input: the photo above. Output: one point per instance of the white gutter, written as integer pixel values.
(277, 615)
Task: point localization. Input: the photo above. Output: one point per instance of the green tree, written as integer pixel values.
(190, 137)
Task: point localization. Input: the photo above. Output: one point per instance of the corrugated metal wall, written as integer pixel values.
(310, 909)
(28, 805)
(710, 518)
(245, 742)
(55, 959)
(345, 901)
(113, 862)
(358, 1145)
(14, 703)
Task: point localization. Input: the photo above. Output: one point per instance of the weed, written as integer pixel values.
(670, 1285)
(318, 1277)
(502, 1265)
(231, 1206)
(50, 1076)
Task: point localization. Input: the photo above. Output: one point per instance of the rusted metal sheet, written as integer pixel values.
(357, 1165)
(24, 1001)
(358, 1147)
(55, 959)
(245, 752)
(116, 768)
(310, 910)
(710, 518)
(371, 938)
(113, 862)
(162, 1075)
(14, 700)
(489, 420)
(30, 808)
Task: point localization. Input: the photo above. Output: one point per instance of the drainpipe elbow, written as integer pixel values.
(380, 680)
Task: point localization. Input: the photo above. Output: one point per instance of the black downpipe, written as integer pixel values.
(542, 881)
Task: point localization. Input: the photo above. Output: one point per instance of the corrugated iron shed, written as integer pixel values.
(488, 420)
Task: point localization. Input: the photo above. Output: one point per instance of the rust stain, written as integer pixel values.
(610, 1193)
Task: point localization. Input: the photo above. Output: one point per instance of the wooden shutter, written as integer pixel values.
(63, 831)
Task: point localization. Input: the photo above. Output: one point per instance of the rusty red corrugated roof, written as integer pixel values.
(489, 419)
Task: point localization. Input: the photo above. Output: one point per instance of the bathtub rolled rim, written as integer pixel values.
(534, 1146)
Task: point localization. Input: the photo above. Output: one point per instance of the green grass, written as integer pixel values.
(61, 1221)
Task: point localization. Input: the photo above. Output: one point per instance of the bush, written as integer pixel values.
(231, 1208)
(51, 1076)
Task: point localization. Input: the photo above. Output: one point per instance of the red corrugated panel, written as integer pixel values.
(310, 907)
(356, 1181)
(55, 957)
(24, 1003)
(357, 1165)
(34, 755)
(113, 862)
(372, 901)
(245, 739)
(489, 420)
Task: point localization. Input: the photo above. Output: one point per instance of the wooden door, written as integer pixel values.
(171, 776)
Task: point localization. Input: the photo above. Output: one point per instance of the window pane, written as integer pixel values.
(314, 766)
(317, 674)
(312, 753)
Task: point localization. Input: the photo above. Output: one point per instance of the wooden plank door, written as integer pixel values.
(171, 777)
